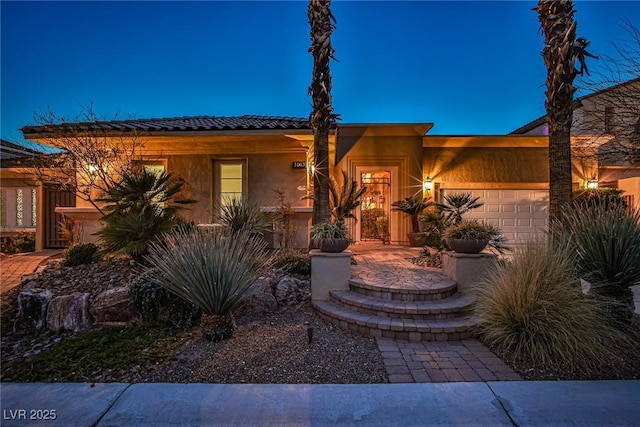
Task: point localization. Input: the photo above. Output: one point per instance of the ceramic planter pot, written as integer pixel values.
(332, 245)
(467, 246)
(417, 239)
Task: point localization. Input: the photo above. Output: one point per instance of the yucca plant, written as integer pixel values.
(345, 198)
(533, 308)
(242, 214)
(214, 270)
(605, 241)
(412, 206)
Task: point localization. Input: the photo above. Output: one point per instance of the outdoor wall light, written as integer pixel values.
(427, 185)
(93, 169)
(592, 184)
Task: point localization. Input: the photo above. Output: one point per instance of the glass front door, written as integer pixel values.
(374, 223)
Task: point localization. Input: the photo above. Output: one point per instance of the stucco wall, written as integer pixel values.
(476, 164)
(265, 173)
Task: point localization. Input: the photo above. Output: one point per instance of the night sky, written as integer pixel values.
(468, 67)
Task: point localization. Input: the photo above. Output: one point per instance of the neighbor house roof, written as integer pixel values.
(12, 154)
(576, 104)
(195, 123)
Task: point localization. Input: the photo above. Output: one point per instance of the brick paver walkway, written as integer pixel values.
(409, 362)
(12, 268)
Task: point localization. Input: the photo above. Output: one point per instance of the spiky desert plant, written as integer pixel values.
(457, 204)
(142, 208)
(533, 308)
(214, 270)
(343, 199)
(241, 213)
(412, 206)
(605, 242)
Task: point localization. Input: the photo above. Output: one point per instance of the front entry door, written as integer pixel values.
(375, 207)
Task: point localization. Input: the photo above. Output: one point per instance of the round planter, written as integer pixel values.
(466, 246)
(332, 245)
(417, 240)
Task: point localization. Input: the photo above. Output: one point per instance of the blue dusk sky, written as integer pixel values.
(468, 67)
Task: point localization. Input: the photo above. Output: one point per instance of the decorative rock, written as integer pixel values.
(261, 302)
(113, 307)
(69, 312)
(32, 306)
(291, 292)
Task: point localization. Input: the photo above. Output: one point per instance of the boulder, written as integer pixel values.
(69, 312)
(261, 302)
(32, 307)
(291, 292)
(113, 307)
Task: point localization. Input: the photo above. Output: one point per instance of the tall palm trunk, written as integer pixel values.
(559, 27)
(322, 118)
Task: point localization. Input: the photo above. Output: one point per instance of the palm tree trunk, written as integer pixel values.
(322, 118)
(559, 27)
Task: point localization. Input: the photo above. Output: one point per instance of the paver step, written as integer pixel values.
(415, 330)
(431, 291)
(454, 306)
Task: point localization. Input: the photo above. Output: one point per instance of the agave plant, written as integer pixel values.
(605, 240)
(456, 205)
(214, 270)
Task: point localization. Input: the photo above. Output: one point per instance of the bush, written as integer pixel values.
(214, 270)
(533, 307)
(474, 230)
(155, 303)
(140, 210)
(242, 214)
(82, 253)
(608, 198)
(605, 241)
(23, 241)
(292, 261)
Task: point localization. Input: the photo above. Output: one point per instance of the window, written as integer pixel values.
(157, 168)
(609, 115)
(229, 181)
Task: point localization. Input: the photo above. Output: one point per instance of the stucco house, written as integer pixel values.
(255, 155)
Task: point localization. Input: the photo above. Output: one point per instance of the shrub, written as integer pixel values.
(241, 214)
(214, 270)
(457, 204)
(155, 303)
(328, 229)
(82, 253)
(605, 241)
(292, 261)
(140, 210)
(24, 241)
(608, 198)
(474, 230)
(533, 307)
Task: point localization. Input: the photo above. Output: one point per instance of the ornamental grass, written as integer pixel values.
(533, 308)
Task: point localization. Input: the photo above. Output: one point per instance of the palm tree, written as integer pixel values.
(322, 117)
(456, 205)
(559, 27)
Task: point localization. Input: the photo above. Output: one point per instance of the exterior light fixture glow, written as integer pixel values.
(93, 169)
(427, 185)
(592, 184)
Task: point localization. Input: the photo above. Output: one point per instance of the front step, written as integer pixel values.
(454, 306)
(430, 291)
(415, 330)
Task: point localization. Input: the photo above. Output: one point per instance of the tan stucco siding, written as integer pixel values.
(196, 171)
(486, 164)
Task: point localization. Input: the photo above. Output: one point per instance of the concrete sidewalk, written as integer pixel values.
(519, 403)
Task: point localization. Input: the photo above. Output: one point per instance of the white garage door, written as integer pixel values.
(520, 214)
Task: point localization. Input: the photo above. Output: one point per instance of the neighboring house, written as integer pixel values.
(18, 190)
(605, 138)
(27, 205)
(254, 155)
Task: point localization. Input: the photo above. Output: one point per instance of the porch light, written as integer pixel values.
(427, 185)
(592, 184)
(93, 169)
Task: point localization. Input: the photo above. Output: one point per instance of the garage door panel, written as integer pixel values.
(521, 214)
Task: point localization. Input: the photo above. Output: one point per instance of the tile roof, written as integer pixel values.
(11, 153)
(195, 123)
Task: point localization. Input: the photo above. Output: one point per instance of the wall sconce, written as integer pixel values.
(592, 184)
(93, 169)
(427, 185)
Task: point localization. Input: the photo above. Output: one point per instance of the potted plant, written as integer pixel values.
(330, 236)
(413, 206)
(471, 237)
